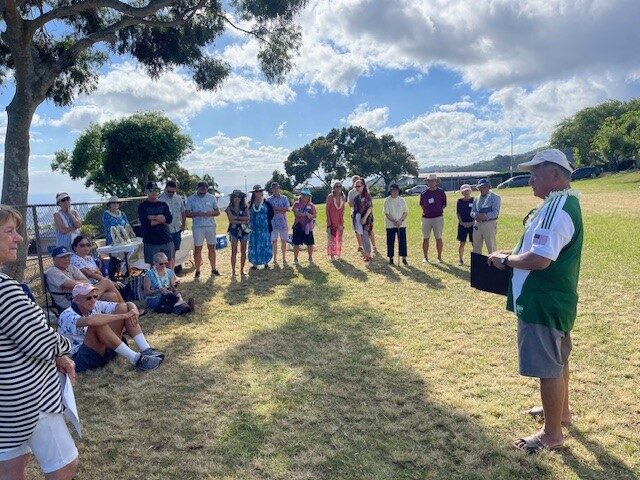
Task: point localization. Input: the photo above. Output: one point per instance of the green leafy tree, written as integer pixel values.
(282, 179)
(53, 50)
(579, 131)
(310, 160)
(619, 139)
(119, 157)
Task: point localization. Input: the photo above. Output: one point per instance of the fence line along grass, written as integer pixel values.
(346, 371)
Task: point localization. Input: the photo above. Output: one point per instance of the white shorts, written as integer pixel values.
(282, 234)
(51, 444)
(200, 234)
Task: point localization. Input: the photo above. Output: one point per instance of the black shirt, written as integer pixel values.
(464, 209)
(157, 234)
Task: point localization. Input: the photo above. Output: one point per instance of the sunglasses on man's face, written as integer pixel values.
(91, 297)
(66, 199)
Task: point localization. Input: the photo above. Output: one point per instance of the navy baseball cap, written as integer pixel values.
(60, 252)
(483, 181)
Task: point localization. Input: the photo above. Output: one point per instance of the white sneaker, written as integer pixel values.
(425, 260)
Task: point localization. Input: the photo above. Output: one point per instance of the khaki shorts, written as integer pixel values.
(435, 224)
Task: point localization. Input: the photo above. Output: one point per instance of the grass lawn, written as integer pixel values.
(347, 371)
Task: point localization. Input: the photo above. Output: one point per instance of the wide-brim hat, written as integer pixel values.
(432, 176)
(237, 193)
(393, 186)
(552, 155)
(305, 191)
(114, 199)
(257, 188)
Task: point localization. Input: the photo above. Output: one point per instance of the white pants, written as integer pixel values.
(485, 232)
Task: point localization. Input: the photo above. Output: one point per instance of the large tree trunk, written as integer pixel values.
(15, 187)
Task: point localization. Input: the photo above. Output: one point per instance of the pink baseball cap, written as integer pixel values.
(82, 289)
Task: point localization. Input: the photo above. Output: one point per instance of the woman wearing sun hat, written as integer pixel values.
(305, 214)
(66, 221)
(113, 217)
(465, 220)
(260, 216)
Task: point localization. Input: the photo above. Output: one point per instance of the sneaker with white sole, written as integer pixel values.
(146, 363)
(152, 352)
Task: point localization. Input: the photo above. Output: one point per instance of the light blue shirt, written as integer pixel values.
(488, 204)
(205, 203)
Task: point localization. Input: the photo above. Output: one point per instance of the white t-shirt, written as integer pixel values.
(68, 323)
(394, 207)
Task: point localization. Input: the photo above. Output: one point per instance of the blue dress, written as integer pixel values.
(109, 220)
(260, 250)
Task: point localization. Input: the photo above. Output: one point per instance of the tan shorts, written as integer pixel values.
(435, 224)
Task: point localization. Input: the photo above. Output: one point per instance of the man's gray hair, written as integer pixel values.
(566, 174)
(159, 257)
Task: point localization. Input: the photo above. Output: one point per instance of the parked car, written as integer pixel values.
(416, 190)
(586, 172)
(517, 181)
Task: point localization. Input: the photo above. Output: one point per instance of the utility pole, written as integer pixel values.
(511, 159)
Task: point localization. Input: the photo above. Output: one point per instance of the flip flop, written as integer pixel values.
(533, 445)
(538, 414)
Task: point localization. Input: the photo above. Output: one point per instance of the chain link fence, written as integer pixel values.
(41, 236)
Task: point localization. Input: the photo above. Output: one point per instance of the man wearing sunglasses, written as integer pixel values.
(95, 330)
(177, 208)
(155, 218)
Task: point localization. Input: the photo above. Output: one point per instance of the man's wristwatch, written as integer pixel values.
(504, 261)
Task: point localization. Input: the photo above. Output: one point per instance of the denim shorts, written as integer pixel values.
(88, 359)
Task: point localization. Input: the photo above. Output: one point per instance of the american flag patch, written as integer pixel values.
(540, 239)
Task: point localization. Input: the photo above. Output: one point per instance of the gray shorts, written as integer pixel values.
(150, 250)
(542, 351)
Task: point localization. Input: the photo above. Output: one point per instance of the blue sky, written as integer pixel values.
(448, 78)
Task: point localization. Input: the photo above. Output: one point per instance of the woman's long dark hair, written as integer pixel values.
(365, 190)
(243, 201)
(253, 197)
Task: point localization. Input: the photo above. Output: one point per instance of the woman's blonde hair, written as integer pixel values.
(7, 212)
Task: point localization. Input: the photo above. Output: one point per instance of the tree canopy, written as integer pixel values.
(619, 139)
(350, 150)
(579, 131)
(119, 157)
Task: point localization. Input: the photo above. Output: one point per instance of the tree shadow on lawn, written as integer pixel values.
(608, 465)
(258, 282)
(315, 397)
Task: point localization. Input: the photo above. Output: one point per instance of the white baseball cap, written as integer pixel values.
(552, 155)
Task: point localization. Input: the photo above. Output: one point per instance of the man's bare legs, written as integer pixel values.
(425, 248)
(439, 245)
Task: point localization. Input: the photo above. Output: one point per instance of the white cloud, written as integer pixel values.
(230, 159)
(371, 119)
(127, 89)
(280, 130)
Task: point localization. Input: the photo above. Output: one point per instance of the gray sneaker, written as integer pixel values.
(152, 352)
(146, 363)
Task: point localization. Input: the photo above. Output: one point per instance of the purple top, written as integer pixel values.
(279, 221)
(433, 203)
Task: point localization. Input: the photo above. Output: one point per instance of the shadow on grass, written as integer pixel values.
(313, 398)
(349, 270)
(258, 282)
(611, 466)
(420, 276)
(461, 273)
(381, 266)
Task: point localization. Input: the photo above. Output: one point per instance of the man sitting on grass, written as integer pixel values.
(95, 330)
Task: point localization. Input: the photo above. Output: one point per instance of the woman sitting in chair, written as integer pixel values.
(82, 260)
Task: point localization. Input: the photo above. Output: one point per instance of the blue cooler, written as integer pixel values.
(221, 241)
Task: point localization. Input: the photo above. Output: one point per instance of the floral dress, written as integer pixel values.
(238, 231)
(260, 249)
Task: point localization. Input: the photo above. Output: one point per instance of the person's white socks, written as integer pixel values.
(141, 342)
(126, 352)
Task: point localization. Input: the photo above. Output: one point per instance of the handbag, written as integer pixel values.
(167, 303)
